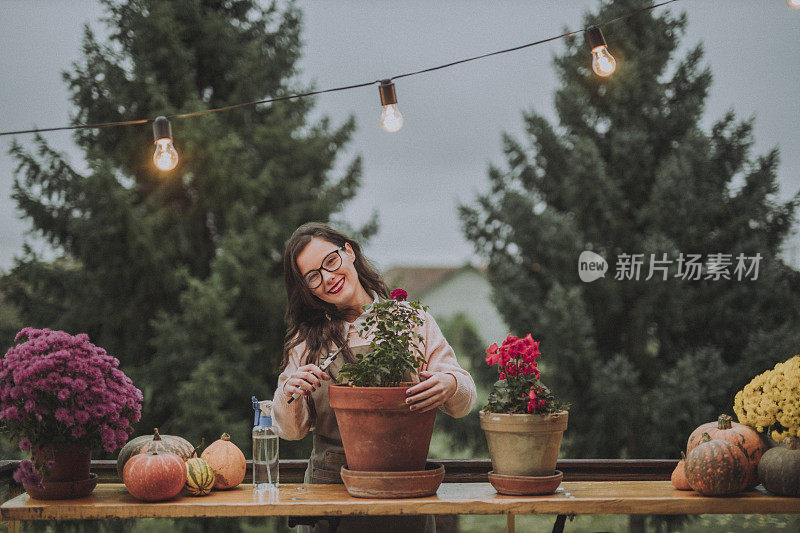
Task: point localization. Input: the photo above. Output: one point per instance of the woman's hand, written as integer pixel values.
(433, 390)
(304, 380)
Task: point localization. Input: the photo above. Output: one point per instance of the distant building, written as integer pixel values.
(452, 290)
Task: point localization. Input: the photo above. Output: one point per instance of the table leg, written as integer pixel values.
(558, 527)
(510, 523)
(13, 526)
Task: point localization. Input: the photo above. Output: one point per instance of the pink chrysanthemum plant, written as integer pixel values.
(59, 389)
(518, 389)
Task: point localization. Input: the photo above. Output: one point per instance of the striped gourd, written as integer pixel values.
(199, 477)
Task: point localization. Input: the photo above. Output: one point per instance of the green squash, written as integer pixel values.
(779, 469)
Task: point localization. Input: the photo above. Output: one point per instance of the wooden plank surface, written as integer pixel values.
(455, 470)
(591, 497)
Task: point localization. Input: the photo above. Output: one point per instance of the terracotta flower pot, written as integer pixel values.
(379, 431)
(524, 444)
(69, 476)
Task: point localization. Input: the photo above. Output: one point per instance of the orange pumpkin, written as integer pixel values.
(678, 477)
(716, 467)
(743, 437)
(226, 461)
(154, 443)
(154, 476)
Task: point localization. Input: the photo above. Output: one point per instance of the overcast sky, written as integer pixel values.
(454, 117)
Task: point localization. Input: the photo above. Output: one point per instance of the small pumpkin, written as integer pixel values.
(716, 467)
(199, 477)
(742, 436)
(154, 476)
(227, 461)
(779, 469)
(678, 477)
(154, 443)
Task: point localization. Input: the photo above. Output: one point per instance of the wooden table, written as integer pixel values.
(576, 497)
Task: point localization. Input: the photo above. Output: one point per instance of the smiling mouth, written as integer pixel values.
(336, 288)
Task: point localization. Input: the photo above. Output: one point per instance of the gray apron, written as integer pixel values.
(324, 466)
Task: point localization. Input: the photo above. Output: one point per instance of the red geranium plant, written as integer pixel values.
(56, 388)
(518, 389)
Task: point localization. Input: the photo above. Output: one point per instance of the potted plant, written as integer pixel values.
(523, 421)
(379, 432)
(61, 396)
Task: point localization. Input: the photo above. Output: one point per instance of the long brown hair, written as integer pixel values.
(309, 319)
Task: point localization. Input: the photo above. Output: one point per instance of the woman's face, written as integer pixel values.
(340, 287)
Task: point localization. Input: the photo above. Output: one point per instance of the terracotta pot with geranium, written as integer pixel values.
(61, 396)
(379, 431)
(523, 420)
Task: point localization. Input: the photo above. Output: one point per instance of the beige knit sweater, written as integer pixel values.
(313, 413)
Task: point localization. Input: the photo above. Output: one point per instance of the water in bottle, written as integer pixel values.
(265, 447)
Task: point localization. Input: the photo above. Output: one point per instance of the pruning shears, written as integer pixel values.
(324, 366)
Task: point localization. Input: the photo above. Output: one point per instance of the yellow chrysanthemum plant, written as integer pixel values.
(771, 401)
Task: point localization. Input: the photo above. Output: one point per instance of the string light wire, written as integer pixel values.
(335, 89)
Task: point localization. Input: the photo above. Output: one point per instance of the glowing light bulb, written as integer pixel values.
(794, 4)
(603, 63)
(165, 156)
(391, 118)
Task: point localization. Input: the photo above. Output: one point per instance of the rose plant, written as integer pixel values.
(518, 389)
(59, 389)
(395, 349)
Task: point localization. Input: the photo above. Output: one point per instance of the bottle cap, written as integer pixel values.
(257, 409)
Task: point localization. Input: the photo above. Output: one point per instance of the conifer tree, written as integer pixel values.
(629, 169)
(179, 274)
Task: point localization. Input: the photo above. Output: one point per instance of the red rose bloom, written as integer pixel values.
(399, 295)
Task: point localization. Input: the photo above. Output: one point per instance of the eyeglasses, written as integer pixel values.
(331, 263)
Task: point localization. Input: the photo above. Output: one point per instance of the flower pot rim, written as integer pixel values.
(562, 412)
(406, 385)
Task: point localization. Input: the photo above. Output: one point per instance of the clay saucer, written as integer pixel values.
(525, 485)
(62, 490)
(409, 484)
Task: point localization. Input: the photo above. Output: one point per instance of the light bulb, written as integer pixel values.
(391, 118)
(165, 156)
(794, 4)
(603, 63)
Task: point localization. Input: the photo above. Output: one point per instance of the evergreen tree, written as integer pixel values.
(463, 437)
(179, 274)
(629, 169)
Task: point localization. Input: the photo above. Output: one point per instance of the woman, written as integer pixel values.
(328, 281)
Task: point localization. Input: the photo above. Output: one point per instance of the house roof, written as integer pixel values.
(417, 280)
